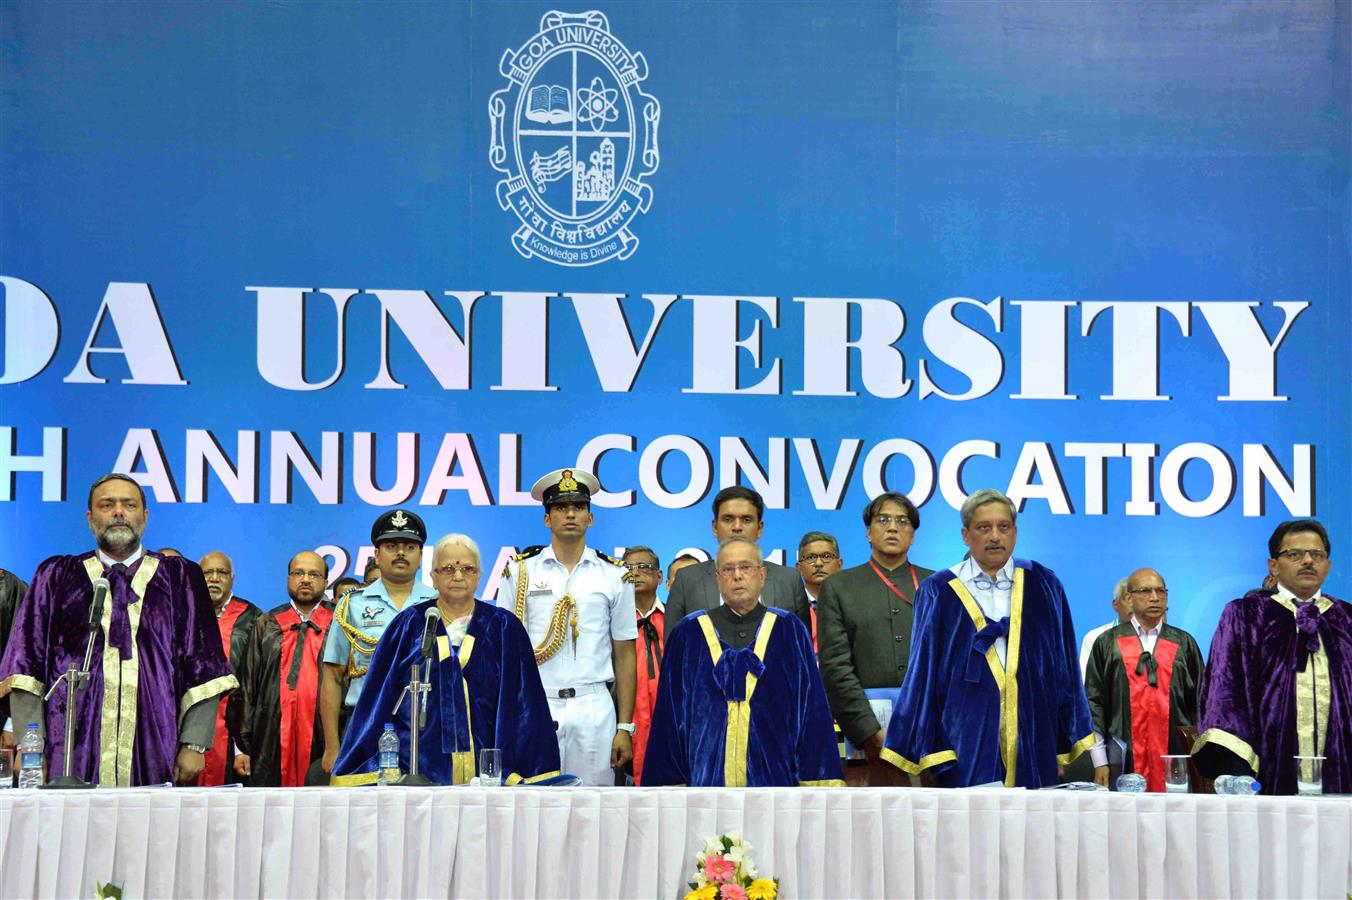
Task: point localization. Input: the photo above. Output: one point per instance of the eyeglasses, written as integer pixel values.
(1298, 555)
(218, 573)
(1146, 591)
(448, 571)
(301, 573)
(643, 567)
(814, 558)
(889, 521)
(732, 570)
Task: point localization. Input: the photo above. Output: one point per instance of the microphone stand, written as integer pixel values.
(75, 681)
(416, 691)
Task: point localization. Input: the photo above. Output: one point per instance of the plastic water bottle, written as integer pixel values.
(1241, 785)
(30, 758)
(1131, 783)
(389, 755)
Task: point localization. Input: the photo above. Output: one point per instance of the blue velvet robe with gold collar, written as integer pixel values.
(969, 720)
(486, 695)
(753, 717)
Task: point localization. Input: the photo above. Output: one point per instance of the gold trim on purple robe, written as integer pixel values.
(1313, 690)
(213, 688)
(1236, 745)
(19, 682)
(736, 744)
(121, 679)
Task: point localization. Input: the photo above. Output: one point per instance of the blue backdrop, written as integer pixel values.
(1098, 251)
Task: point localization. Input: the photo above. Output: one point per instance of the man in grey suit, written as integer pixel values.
(738, 511)
(864, 619)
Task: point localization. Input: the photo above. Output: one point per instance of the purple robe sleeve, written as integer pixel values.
(26, 664)
(916, 739)
(1227, 736)
(202, 671)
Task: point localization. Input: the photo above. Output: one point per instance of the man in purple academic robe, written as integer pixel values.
(158, 673)
(1279, 681)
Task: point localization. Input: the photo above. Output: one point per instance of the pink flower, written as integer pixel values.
(719, 868)
(732, 892)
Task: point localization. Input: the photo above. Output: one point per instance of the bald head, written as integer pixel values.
(307, 576)
(219, 572)
(1149, 596)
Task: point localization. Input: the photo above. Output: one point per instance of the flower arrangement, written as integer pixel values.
(724, 871)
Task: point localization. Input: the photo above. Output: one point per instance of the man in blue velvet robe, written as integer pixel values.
(741, 703)
(992, 691)
(1279, 681)
(486, 689)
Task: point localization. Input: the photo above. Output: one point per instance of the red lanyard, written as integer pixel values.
(892, 587)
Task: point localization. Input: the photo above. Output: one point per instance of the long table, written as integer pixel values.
(641, 842)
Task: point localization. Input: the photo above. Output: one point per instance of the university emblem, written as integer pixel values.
(575, 135)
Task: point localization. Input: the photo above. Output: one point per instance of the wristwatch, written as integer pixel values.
(627, 727)
(198, 747)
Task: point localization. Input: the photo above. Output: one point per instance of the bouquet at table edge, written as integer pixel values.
(724, 871)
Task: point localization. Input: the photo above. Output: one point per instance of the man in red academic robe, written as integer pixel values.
(282, 734)
(1142, 681)
(236, 617)
(645, 571)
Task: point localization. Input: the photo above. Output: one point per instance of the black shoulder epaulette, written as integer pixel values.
(610, 559)
(524, 554)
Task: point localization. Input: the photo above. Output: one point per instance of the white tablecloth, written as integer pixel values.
(628, 842)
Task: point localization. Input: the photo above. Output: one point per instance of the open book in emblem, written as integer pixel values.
(549, 103)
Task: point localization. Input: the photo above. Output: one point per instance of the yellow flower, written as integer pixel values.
(760, 889)
(706, 892)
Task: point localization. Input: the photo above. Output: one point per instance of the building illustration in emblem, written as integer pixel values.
(596, 182)
(574, 136)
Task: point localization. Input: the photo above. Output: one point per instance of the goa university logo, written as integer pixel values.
(575, 135)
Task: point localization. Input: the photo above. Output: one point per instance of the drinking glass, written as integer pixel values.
(490, 767)
(1176, 774)
(1309, 775)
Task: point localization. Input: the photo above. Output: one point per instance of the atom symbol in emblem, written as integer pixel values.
(596, 105)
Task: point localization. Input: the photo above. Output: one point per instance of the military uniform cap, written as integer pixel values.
(565, 486)
(399, 525)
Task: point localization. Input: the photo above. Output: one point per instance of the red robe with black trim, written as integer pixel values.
(649, 656)
(282, 731)
(236, 622)
(1142, 712)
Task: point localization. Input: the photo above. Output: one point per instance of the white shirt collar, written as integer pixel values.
(1142, 631)
(109, 562)
(1283, 591)
(968, 570)
(658, 606)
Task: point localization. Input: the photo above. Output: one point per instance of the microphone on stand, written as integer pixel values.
(429, 640)
(101, 589)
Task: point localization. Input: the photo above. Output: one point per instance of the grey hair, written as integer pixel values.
(813, 536)
(981, 498)
(737, 539)
(463, 539)
(1120, 591)
(639, 548)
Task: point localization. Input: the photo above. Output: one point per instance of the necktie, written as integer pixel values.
(1146, 663)
(1307, 633)
(119, 626)
(293, 675)
(652, 639)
